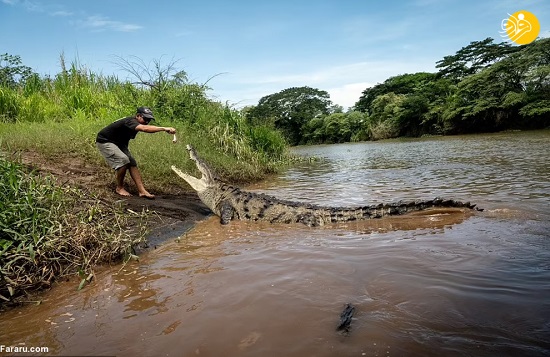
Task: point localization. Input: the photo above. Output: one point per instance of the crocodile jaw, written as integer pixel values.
(205, 181)
(198, 185)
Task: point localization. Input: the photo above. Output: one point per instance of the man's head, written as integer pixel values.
(145, 113)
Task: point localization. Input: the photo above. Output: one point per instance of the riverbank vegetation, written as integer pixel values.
(483, 87)
(50, 228)
(48, 231)
(64, 113)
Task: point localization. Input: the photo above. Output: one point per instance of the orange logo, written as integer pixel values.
(521, 27)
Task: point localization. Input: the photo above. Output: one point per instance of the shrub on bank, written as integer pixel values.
(48, 231)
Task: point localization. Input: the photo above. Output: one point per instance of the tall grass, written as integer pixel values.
(64, 113)
(48, 231)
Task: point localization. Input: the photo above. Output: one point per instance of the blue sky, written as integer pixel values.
(257, 48)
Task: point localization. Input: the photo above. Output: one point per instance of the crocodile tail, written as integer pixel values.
(334, 215)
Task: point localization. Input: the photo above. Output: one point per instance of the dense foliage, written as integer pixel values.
(12, 70)
(290, 110)
(483, 87)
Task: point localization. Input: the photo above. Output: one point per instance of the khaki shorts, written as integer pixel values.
(115, 157)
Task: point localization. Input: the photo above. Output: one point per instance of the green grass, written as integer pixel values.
(63, 115)
(232, 156)
(49, 230)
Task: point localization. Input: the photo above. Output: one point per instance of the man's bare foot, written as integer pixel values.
(147, 195)
(123, 192)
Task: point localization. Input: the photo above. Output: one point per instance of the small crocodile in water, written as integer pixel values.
(345, 319)
(230, 202)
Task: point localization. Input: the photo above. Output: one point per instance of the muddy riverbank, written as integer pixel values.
(173, 212)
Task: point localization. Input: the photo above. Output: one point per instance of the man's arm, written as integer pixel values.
(154, 129)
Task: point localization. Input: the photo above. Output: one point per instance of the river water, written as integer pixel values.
(441, 283)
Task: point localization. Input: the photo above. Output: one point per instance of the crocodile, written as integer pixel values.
(230, 203)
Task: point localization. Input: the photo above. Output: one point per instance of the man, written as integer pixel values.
(112, 141)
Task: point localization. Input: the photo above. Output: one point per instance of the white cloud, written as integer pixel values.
(348, 94)
(96, 22)
(344, 82)
(367, 71)
(61, 13)
(101, 23)
(35, 6)
(29, 5)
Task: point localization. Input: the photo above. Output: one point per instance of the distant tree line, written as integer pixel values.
(483, 87)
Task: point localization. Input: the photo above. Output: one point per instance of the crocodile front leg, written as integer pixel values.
(226, 212)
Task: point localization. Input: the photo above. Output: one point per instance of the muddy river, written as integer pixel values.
(441, 283)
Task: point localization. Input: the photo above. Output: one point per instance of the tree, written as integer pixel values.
(174, 96)
(386, 111)
(401, 84)
(290, 109)
(512, 93)
(473, 58)
(12, 70)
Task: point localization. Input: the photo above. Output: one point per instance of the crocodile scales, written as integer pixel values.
(230, 202)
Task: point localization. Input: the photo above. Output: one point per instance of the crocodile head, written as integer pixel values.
(206, 181)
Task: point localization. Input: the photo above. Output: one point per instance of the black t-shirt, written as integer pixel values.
(119, 133)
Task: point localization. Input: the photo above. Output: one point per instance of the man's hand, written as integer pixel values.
(170, 130)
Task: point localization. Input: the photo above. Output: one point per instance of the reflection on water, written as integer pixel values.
(437, 283)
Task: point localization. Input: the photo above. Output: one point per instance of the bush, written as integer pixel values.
(47, 231)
